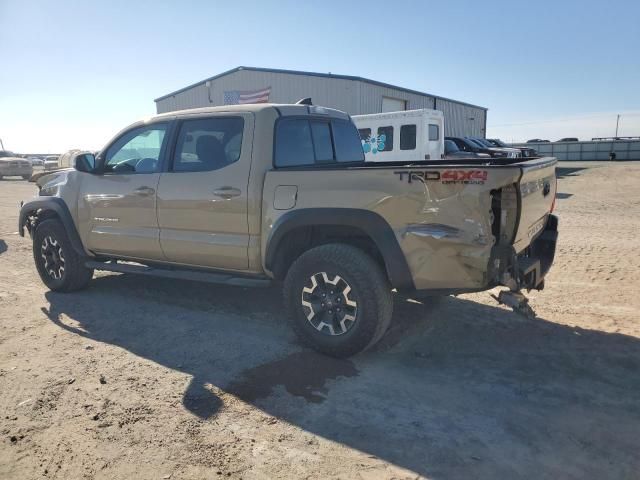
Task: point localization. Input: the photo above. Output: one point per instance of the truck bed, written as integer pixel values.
(448, 216)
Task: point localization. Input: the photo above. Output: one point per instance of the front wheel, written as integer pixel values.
(339, 300)
(59, 265)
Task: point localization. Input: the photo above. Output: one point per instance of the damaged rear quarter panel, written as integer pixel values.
(442, 220)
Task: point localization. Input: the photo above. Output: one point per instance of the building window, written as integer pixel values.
(434, 132)
(385, 137)
(407, 137)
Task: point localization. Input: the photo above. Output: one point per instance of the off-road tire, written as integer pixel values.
(369, 289)
(75, 275)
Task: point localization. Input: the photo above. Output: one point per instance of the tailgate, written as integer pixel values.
(536, 194)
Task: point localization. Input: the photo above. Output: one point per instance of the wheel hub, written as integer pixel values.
(327, 302)
(51, 253)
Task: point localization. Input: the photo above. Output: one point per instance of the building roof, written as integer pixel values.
(315, 74)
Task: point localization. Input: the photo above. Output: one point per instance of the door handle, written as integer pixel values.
(144, 191)
(227, 192)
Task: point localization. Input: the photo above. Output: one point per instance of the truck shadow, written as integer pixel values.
(456, 389)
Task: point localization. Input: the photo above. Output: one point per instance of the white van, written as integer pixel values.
(401, 136)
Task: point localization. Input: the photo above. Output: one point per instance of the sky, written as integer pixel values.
(73, 73)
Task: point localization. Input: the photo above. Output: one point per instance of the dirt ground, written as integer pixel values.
(149, 378)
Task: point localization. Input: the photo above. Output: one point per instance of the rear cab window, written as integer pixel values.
(312, 141)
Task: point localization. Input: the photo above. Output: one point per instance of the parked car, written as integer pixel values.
(36, 161)
(51, 163)
(526, 151)
(451, 151)
(13, 166)
(247, 194)
(537, 140)
(467, 144)
(568, 139)
(511, 150)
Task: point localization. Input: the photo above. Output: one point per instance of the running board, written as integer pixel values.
(192, 275)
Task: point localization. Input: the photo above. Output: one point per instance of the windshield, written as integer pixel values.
(499, 142)
(475, 143)
(450, 147)
(483, 142)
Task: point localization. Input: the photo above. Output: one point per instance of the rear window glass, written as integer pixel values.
(385, 139)
(407, 137)
(346, 142)
(293, 143)
(302, 142)
(322, 141)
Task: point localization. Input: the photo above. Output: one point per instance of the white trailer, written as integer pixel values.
(401, 136)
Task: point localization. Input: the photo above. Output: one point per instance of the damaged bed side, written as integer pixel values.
(483, 227)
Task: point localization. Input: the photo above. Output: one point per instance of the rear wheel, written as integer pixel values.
(60, 267)
(339, 300)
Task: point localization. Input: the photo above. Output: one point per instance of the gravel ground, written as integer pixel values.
(149, 378)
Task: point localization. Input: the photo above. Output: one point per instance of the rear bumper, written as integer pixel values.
(535, 262)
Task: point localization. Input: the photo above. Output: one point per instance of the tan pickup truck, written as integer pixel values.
(247, 195)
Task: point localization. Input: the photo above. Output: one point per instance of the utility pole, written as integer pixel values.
(617, 123)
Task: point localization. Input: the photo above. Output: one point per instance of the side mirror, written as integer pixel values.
(85, 163)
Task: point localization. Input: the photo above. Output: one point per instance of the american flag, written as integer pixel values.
(236, 97)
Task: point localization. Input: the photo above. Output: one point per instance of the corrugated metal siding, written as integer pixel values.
(352, 96)
(461, 120)
(371, 99)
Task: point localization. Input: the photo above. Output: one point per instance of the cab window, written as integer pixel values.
(137, 151)
(385, 137)
(207, 144)
(434, 132)
(408, 137)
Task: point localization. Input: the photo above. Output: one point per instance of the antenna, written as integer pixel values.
(304, 101)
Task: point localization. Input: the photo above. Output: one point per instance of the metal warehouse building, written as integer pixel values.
(354, 95)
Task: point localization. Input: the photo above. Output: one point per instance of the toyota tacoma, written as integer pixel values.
(253, 194)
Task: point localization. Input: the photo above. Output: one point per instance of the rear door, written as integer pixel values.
(202, 198)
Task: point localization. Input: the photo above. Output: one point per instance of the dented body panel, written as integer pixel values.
(442, 217)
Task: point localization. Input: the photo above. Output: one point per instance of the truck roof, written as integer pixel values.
(282, 108)
(427, 112)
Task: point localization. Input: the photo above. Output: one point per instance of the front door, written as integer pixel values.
(202, 198)
(118, 206)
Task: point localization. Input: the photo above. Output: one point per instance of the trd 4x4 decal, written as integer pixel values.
(466, 177)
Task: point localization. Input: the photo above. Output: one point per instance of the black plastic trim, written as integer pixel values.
(58, 206)
(369, 222)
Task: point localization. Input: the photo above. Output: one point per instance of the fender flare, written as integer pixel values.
(61, 210)
(371, 223)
